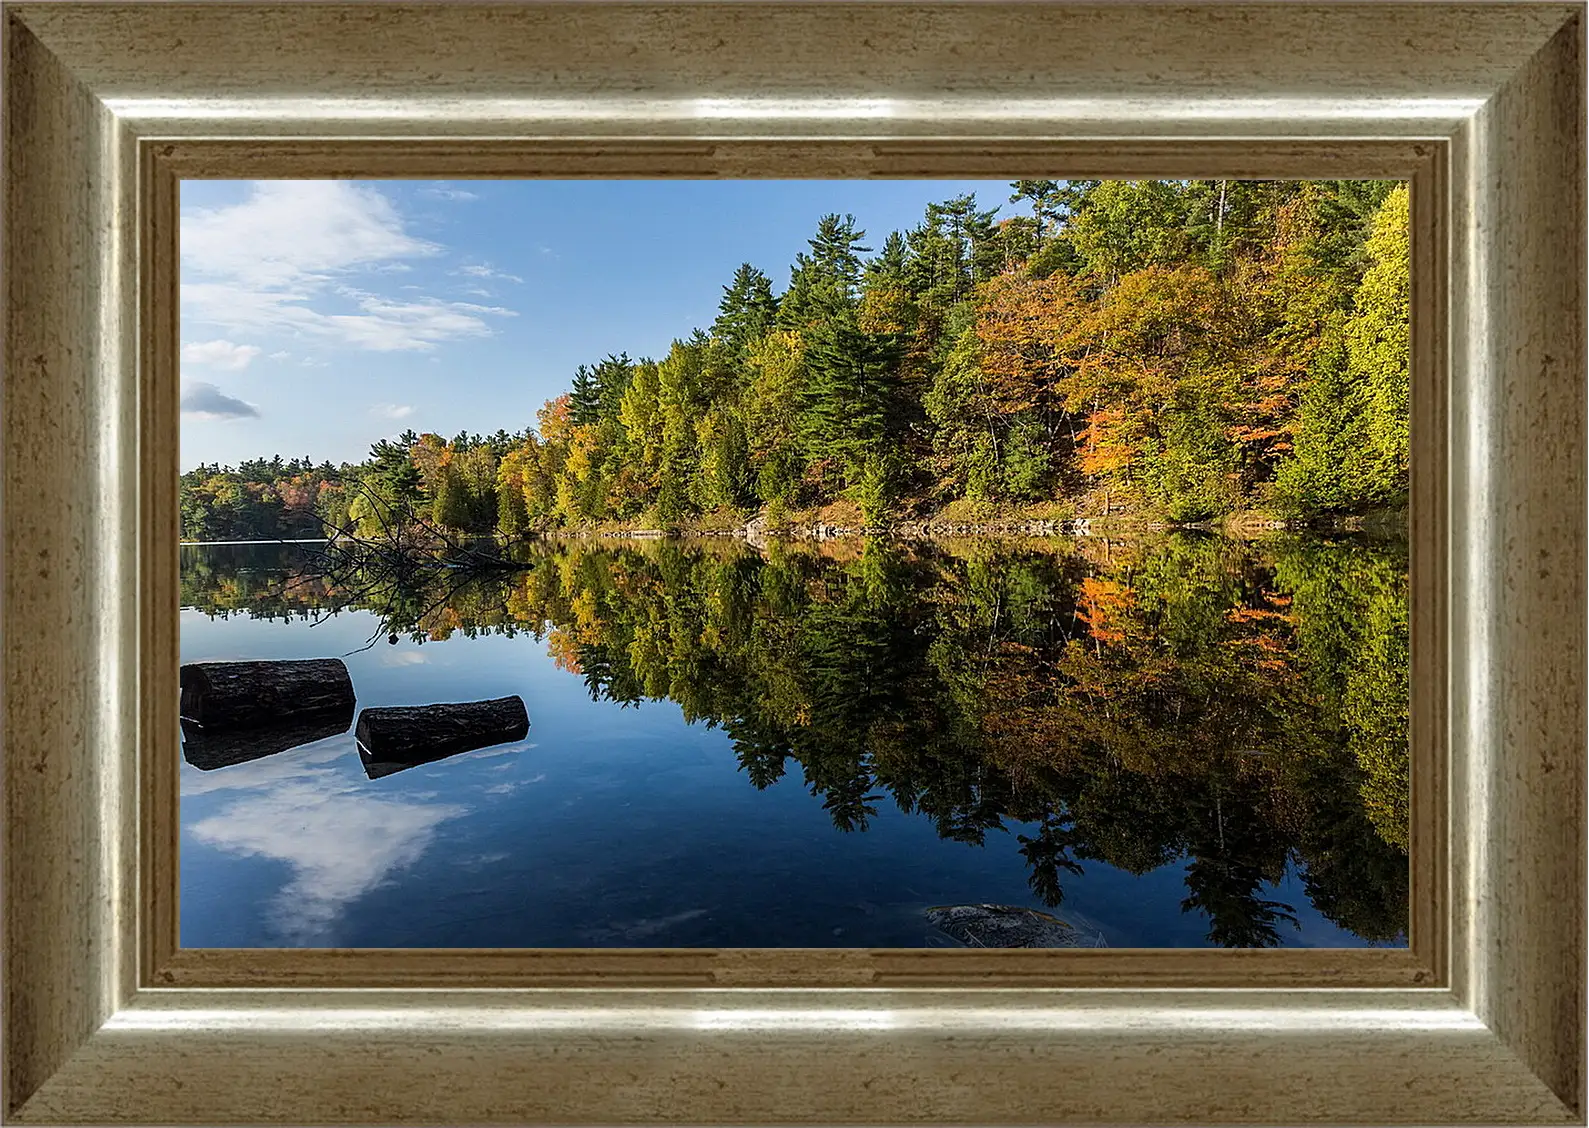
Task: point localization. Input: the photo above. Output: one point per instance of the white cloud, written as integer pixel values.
(442, 192)
(279, 262)
(220, 354)
(390, 325)
(204, 400)
(485, 270)
(288, 231)
(397, 411)
(282, 355)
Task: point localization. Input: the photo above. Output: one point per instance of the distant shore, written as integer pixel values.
(758, 530)
(825, 527)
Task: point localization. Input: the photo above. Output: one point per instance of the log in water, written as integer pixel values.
(207, 750)
(234, 695)
(391, 739)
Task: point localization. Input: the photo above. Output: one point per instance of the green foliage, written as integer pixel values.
(1177, 349)
(824, 283)
(1352, 446)
(878, 488)
(748, 310)
(1026, 461)
(1125, 225)
(450, 507)
(584, 397)
(849, 401)
(1378, 339)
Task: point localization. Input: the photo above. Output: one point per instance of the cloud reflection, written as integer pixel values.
(340, 840)
(340, 846)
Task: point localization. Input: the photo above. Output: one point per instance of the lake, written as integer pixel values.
(1184, 741)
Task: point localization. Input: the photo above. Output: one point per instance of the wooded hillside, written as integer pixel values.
(1175, 350)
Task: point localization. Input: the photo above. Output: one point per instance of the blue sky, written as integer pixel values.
(320, 316)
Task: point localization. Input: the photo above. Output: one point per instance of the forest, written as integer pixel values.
(1171, 352)
(1238, 708)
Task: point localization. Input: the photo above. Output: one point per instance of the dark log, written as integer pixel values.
(207, 749)
(234, 695)
(392, 739)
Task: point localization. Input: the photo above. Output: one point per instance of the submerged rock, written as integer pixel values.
(1006, 926)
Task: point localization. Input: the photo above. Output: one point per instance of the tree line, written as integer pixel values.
(1178, 350)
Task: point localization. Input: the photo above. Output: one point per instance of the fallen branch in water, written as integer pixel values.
(405, 569)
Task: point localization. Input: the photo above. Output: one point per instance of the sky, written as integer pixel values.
(321, 316)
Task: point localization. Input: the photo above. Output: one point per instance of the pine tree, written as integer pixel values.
(1379, 342)
(891, 263)
(1047, 207)
(850, 398)
(748, 309)
(584, 397)
(824, 283)
(611, 376)
(1351, 448)
(392, 468)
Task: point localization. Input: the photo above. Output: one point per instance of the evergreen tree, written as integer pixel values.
(392, 469)
(1379, 341)
(611, 376)
(748, 309)
(1351, 449)
(1046, 199)
(824, 283)
(849, 402)
(955, 247)
(891, 264)
(584, 397)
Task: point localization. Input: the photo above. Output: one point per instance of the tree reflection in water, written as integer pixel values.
(1238, 706)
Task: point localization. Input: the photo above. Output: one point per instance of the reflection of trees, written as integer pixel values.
(1135, 704)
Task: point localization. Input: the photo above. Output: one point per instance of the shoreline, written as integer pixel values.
(1238, 526)
(1247, 525)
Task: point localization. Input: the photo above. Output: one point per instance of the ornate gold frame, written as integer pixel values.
(107, 106)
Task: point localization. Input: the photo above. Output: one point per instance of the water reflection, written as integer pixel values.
(207, 749)
(338, 842)
(1239, 710)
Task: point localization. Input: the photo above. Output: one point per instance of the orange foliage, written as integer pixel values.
(1105, 442)
(1020, 323)
(563, 648)
(556, 420)
(1103, 605)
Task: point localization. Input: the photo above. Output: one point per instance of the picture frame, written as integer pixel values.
(108, 106)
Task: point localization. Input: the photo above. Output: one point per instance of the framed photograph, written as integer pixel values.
(996, 562)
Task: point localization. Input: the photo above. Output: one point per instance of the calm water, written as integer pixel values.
(1188, 742)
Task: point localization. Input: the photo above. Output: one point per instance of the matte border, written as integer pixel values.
(106, 1020)
(1421, 964)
